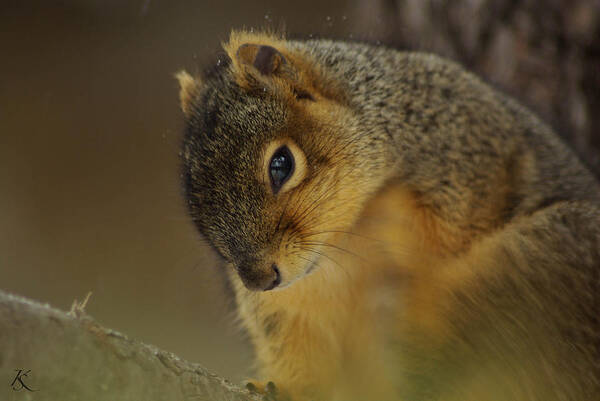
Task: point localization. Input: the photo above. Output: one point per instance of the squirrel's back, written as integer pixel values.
(439, 118)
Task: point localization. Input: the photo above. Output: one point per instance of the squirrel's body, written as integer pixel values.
(433, 240)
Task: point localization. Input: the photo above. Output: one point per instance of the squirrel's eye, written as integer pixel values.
(281, 167)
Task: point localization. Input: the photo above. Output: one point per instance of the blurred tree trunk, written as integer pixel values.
(544, 53)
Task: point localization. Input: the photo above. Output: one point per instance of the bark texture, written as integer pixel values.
(544, 53)
(71, 357)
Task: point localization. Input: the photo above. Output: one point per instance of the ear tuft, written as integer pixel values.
(266, 59)
(188, 87)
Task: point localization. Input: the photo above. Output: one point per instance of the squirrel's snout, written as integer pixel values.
(260, 280)
(277, 280)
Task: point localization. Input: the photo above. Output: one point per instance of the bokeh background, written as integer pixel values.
(90, 130)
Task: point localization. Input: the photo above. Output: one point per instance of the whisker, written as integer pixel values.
(309, 261)
(311, 234)
(321, 254)
(316, 202)
(279, 222)
(282, 214)
(341, 268)
(308, 219)
(333, 246)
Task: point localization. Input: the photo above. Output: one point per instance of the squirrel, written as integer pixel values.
(393, 227)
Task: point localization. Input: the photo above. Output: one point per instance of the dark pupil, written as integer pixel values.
(281, 167)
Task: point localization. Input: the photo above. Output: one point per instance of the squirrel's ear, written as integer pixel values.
(266, 59)
(188, 87)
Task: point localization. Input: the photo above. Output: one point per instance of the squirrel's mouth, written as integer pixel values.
(312, 265)
(288, 281)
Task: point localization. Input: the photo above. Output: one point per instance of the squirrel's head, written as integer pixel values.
(270, 162)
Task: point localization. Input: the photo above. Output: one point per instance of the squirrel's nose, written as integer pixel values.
(256, 279)
(277, 279)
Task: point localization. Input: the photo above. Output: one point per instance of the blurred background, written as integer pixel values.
(90, 130)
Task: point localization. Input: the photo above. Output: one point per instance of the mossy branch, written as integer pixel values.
(69, 356)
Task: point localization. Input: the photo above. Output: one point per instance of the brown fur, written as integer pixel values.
(439, 244)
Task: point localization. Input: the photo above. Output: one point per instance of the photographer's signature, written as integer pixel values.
(19, 382)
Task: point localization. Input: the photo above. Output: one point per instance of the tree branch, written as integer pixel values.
(71, 357)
